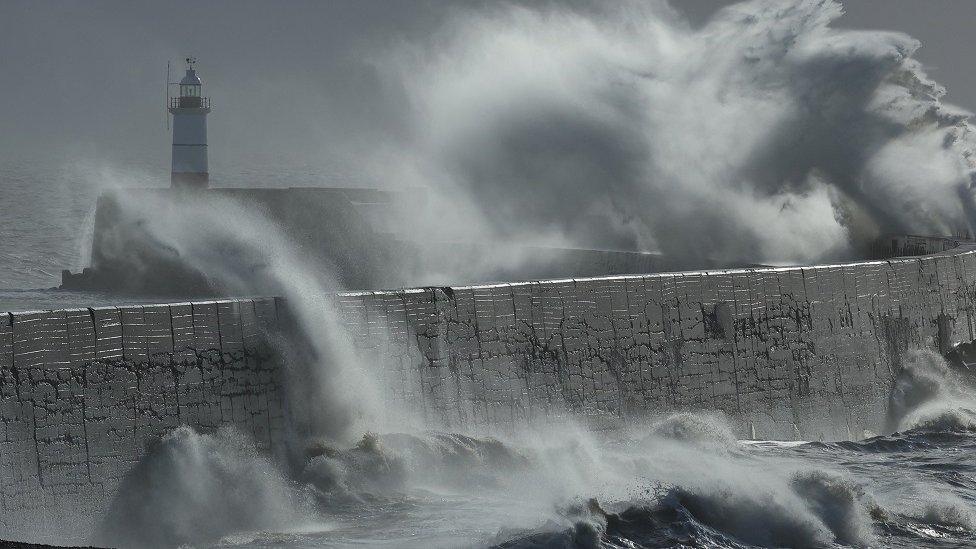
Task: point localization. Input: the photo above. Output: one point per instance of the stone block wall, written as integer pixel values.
(788, 353)
(83, 392)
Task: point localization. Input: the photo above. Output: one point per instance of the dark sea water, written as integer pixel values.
(702, 489)
(680, 480)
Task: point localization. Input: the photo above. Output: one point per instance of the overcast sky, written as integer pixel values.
(289, 80)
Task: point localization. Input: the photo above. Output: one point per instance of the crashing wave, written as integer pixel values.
(765, 134)
(194, 488)
(929, 395)
(706, 428)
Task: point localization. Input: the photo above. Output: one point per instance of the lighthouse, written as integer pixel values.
(190, 110)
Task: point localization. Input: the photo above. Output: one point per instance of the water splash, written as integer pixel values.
(928, 394)
(195, 488)
(765, 135)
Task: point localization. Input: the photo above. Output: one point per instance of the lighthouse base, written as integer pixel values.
(190, 180)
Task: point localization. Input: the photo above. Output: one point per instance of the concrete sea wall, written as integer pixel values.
(805, 352)
(83, 392)
(788, 353)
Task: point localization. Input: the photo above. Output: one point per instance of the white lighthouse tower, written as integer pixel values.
(190, 110)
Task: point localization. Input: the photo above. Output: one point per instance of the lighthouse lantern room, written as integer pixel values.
(190, 110)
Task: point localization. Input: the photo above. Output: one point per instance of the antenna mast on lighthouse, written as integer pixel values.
(189, 109)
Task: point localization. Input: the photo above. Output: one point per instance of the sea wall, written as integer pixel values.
(788, 353)
(84, 392)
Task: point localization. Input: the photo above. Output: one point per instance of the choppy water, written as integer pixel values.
(677, 481)
(683, 481)
(699, 489)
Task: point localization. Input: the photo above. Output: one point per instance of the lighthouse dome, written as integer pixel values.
(191, 79)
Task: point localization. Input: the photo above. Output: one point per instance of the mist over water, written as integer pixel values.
(567, 488)
(331, 392)
(763, 135)
(189, 476)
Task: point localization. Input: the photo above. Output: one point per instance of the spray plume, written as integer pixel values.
(765, 135)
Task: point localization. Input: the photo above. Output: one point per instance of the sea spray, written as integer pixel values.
(658, 488)
(765, 135)
(239, 250)
(194, 488)
(929, 394)
(368, 470)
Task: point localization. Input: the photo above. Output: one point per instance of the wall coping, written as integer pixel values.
(140, 305)
(962, 249)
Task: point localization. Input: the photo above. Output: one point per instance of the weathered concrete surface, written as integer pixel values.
(84, 391)
(788, 353)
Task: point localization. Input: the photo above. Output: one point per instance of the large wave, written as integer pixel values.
(195, 488)
(930, 395)
(680, 481)
(765, 135)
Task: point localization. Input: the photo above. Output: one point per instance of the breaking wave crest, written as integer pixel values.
(706, 428)
(930, 395)
(766, 134)
(685, 481)
(194, 488)
(810, 508)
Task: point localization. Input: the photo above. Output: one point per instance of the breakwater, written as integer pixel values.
(84, 392)
(787, 353)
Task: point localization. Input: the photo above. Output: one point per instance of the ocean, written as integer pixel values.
(43, 212)
(47, 214)
(683, 482)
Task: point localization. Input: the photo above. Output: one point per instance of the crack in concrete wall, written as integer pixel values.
(788, 353)
(83, 392)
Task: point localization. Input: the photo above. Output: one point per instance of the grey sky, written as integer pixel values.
(289, 80)
(88, 77)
